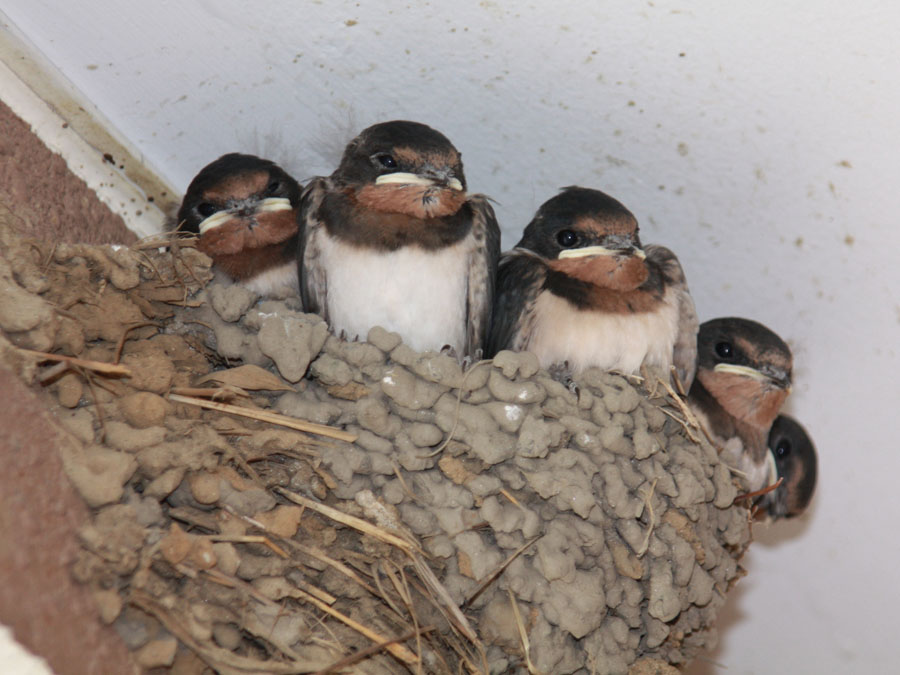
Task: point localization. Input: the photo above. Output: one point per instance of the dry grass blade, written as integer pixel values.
(336, 564)
(397, 650)
(686, 411)
(251, 539)
(221, 660)
(253, 622)
(511, 499)
(96, 366)
(523, 635)
(374, 649)
(191, 516)
(679, 385)
(225, 393)
(684, 425)
(406, 489)
(247, 376)
(444, 601)
(363, 526)
(324, 596)
(163, 239)
(446, 605)
(270, 417)
(120, 345)
(376, 576)
(489, 579)
(51, 373)
(459, 395)
(762, 491)
(233, 582)
(312, 552)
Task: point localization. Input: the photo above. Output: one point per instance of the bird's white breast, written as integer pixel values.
(419, 294)
(611, 341)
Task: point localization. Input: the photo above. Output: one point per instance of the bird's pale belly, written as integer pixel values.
(610, 341)
(419, 294)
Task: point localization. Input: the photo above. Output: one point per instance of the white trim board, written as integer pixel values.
(16, 658)
(72, 127)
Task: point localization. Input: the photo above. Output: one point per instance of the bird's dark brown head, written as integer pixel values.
(237, 183)
(587, 235)
(796, 463)
(240, 206)
(745, 367)
(239, 202)
(403, 167)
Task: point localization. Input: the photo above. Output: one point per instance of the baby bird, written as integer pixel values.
(244, 210)
(393, 239)
(743, 378)
(579, 288)
(794, 457)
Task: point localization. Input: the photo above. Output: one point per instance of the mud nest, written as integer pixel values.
(486, 520)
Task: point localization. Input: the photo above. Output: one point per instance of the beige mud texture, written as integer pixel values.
(441, 520)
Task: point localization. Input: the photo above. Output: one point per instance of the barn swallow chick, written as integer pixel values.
(743, 377)
(579, 288)
(244, 210)
(793, 454)
(392, 239)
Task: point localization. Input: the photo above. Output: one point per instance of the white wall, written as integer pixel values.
(758, 140)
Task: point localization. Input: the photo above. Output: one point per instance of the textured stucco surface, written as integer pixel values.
(757, 141)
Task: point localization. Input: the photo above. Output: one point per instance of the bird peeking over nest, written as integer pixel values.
(393, 239)
(244, 211)
(796, 465)
(580, 289)
(743, 378)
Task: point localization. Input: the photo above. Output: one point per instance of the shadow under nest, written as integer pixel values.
(482, 521)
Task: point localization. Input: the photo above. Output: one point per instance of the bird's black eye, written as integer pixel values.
(273, 188)
(567, 238)
(206, 209)
(724, 350)
(386, 160)
(783, 448)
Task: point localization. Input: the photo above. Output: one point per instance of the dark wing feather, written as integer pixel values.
(313, 286)
(685, 353)
(520, 277)
(482, 275)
